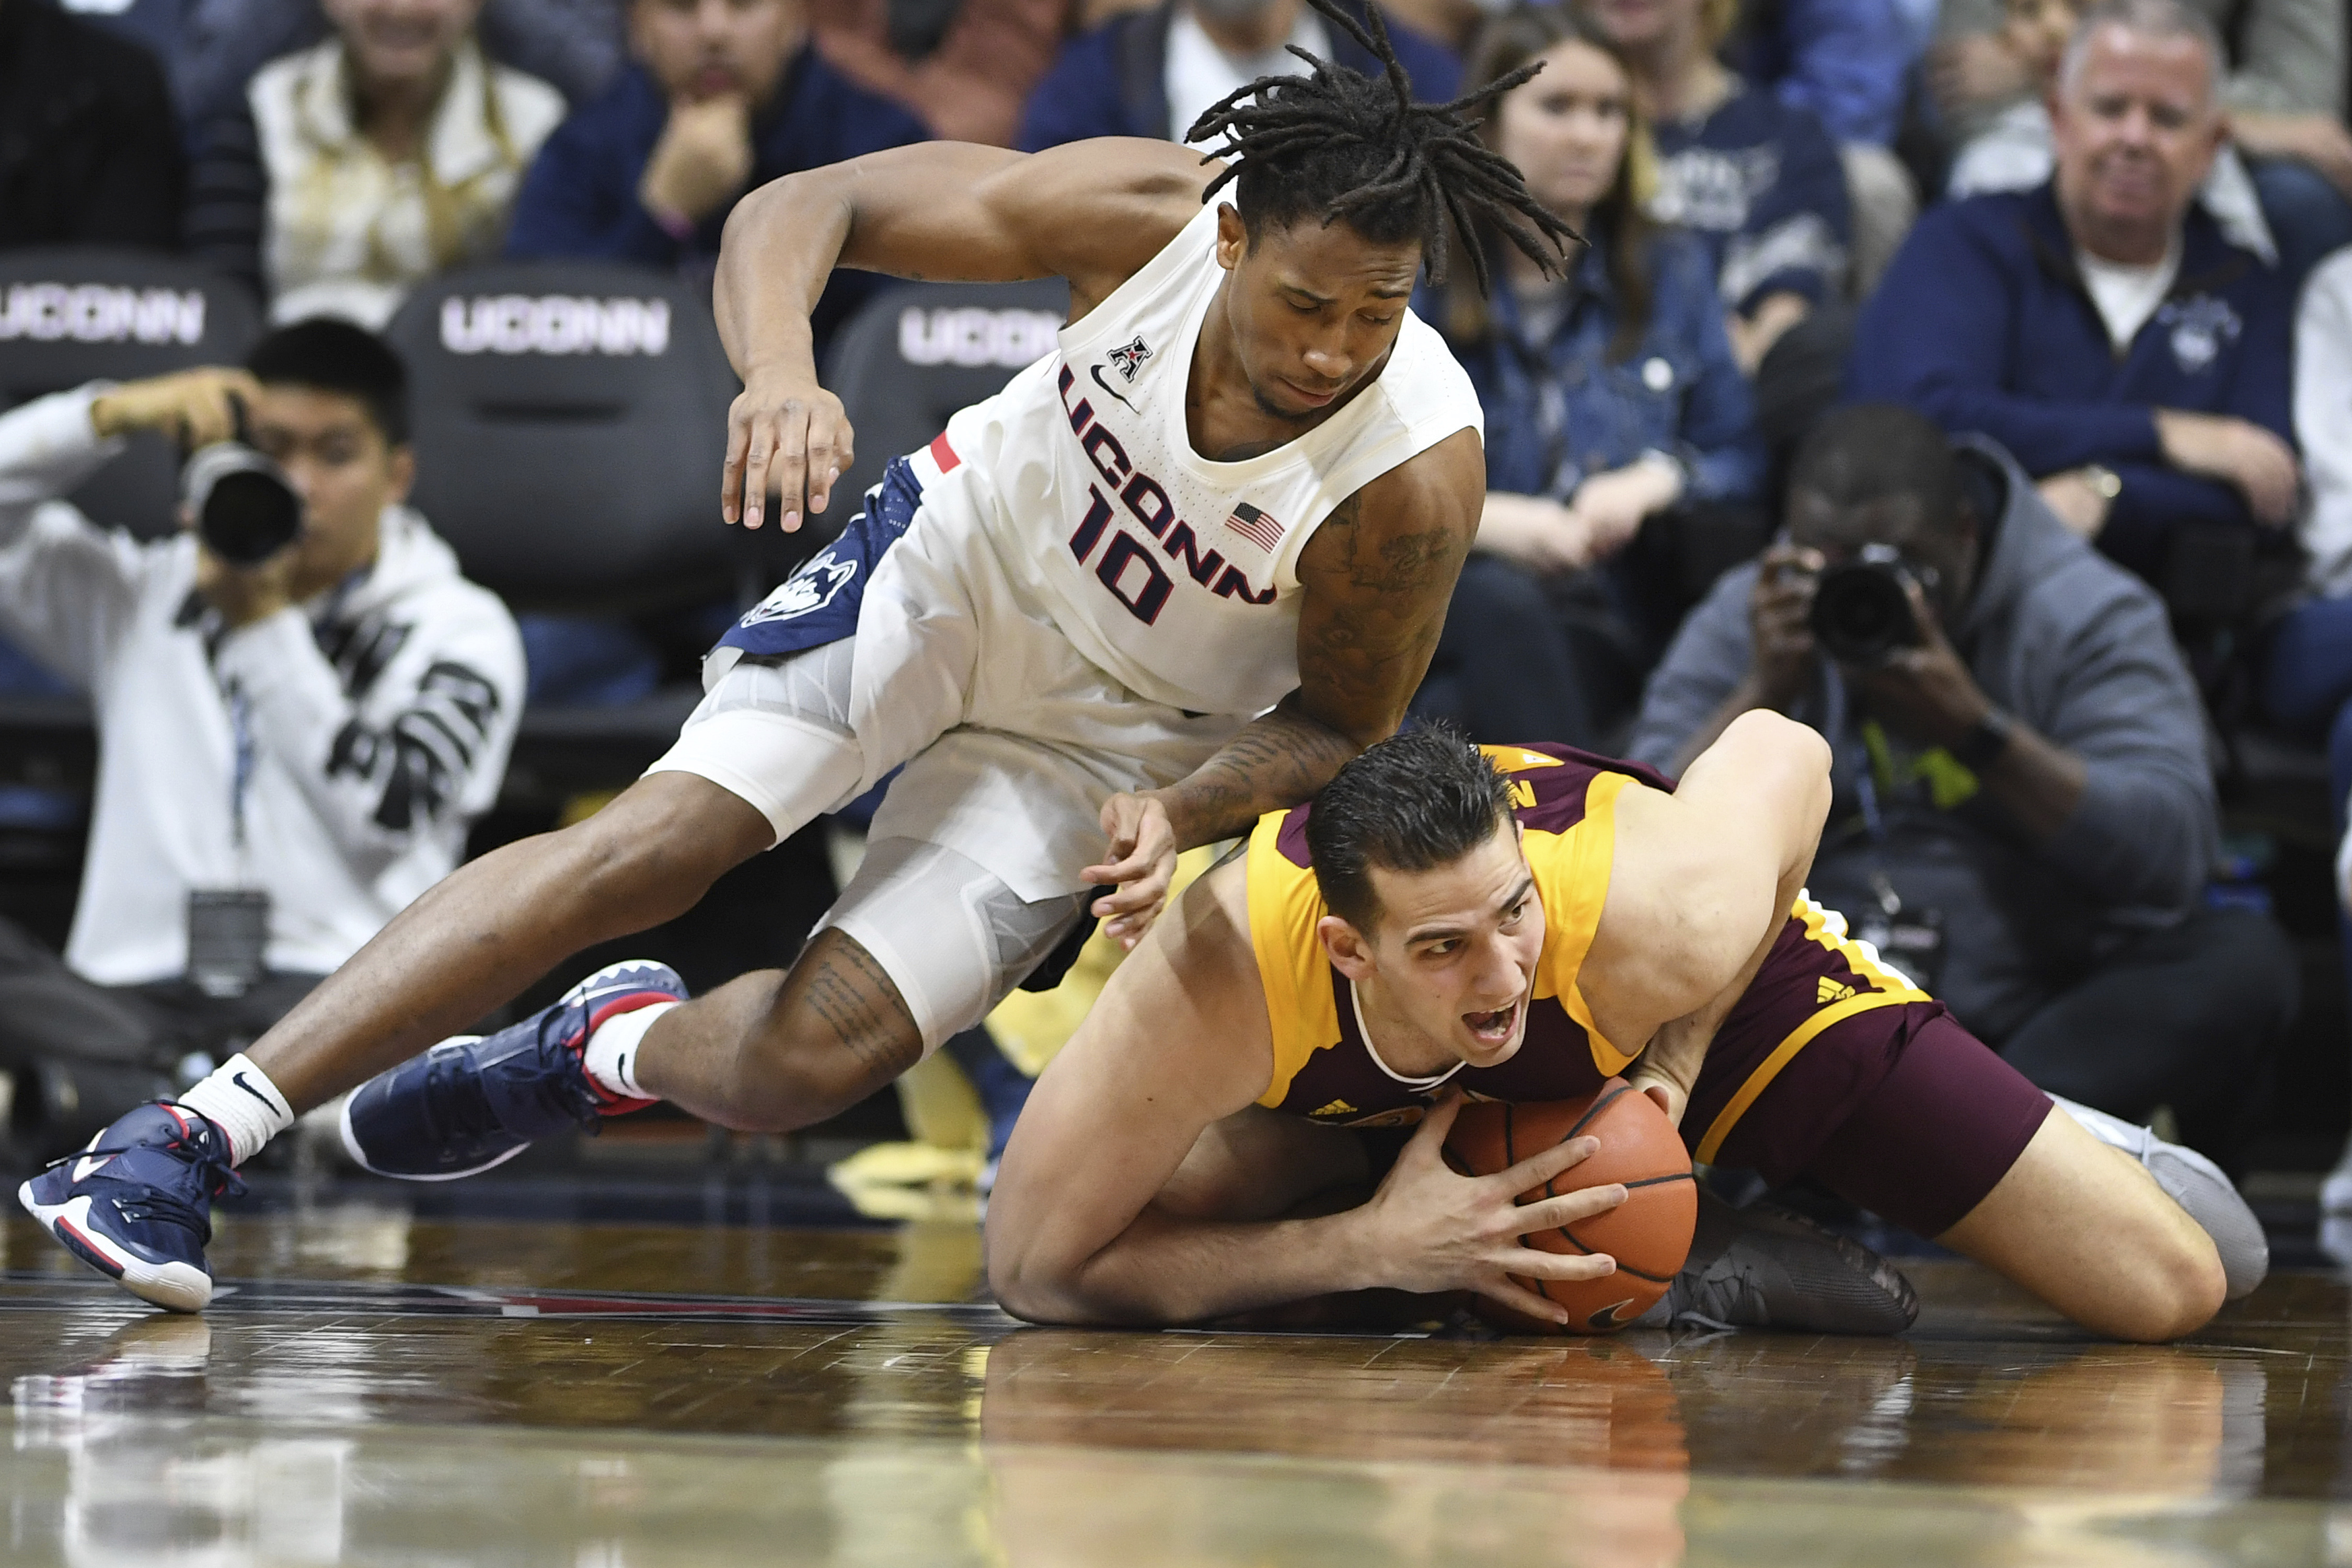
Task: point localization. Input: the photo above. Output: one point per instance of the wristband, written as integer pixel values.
(1987, 739)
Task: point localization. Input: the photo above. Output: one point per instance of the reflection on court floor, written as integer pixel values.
(377, 1388)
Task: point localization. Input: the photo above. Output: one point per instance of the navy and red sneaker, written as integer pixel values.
(476, 1100)
(136, 1205)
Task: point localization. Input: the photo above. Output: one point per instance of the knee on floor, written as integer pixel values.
(2175, 1287)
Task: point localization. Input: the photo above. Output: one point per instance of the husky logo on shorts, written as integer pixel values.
(810, 588)
(819, 603)
(1129, 359)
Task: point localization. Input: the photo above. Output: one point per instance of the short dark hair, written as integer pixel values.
(1868, 451)
(1416, 800)
(329, 355)
(1337, 143)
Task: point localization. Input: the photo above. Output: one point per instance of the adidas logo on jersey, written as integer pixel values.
(1830, 991)
(1337, 1107)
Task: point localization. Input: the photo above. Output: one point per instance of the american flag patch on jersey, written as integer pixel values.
(1255, 526)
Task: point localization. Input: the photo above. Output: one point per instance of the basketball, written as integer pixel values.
(1649, 1234)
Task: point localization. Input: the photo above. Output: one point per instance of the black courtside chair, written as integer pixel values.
(914, 355)
(570, 420)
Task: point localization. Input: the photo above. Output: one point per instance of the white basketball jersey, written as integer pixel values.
(1177, 575)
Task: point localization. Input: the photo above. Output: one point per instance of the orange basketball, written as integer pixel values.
(1649, 1234)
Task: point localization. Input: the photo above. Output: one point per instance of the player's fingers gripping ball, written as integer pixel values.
(1649, 1234)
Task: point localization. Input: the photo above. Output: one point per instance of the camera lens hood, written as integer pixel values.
(245, 507)
(1862, 612)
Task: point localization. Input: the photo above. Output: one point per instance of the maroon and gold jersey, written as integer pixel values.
(1566, 800)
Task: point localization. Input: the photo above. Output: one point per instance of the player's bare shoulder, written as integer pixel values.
(1190, 993)
(1102, 207)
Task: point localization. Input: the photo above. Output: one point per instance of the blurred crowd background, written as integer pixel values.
(2037, 317)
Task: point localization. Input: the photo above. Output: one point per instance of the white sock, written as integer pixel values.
(611, 1058)
(247, 1105)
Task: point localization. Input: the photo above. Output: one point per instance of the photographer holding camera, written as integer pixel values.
(301, 706)
(2024, 808)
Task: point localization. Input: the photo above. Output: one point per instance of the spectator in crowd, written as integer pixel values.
(2030, 823)
(1849, 61)
(2307, 667)
(214, 48)
(290, 751)
(1154, 72)
(1843, 59)
(2102, 328)
(718, 96)
(2284, 94)
(1757, 180)
(1610, 398)
(383, 155)
(965, 66)
(89, 150)
(2013, 153)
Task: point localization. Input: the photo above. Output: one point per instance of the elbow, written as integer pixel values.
(1026, 1298)
(2153, 846)
(1788, 750)
(1035, 1293)
(758, 204)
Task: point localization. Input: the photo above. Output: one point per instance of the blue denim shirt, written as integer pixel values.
(1559, 412)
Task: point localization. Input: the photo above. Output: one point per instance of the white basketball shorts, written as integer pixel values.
(1010, 741)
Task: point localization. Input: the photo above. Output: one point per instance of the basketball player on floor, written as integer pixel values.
(1516, 924)
(1169, 579)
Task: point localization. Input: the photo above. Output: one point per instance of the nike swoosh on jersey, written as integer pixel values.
(1096, 370)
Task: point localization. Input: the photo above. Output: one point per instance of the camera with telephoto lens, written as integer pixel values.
(1862, 608)
(245, 507)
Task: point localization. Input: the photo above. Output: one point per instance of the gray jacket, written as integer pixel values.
(2075, 646)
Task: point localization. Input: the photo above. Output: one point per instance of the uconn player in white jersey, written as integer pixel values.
(1173, 577)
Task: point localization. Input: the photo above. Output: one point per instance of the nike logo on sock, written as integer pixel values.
(275, 1109)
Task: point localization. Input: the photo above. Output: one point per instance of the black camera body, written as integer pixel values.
(245, 507)
(1862, 608)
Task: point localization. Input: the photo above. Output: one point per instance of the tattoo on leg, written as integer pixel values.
(858, 1000)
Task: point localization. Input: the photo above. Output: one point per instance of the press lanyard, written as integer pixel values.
(240, 721)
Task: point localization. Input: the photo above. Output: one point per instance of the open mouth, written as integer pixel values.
(1494, 1028)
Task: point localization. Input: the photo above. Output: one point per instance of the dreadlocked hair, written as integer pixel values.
(1336, 144)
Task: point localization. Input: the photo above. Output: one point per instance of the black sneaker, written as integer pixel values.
(1764, 1268)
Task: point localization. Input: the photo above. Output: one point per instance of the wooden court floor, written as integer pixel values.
(379, 1388)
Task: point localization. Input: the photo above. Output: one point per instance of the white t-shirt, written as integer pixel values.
(2128, 296)
(1198, 73)
(2323, 420)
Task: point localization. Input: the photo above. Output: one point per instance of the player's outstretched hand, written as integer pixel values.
(1432, 1228)
(787, 434)
(1140, 864)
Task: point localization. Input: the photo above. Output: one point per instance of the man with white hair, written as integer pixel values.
(2102, 328)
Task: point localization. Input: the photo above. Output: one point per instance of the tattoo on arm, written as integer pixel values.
(1374, 603)
(1282, 758)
